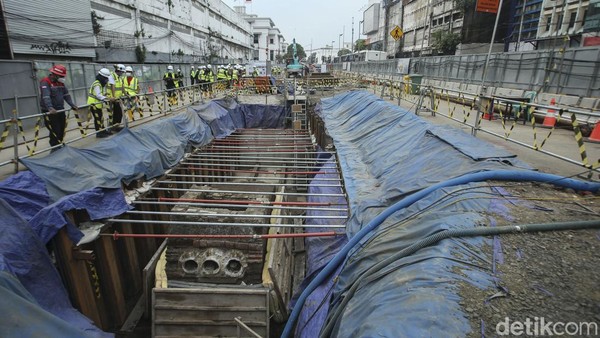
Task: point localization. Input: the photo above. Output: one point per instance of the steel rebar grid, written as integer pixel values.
(250, 131)
(210, 146)
(252, 184)
(243, 202)
(253, 225)
(217, 155)
(259, 142)
(266, 153)
(256, 161)
(116, 235)
(208, 214)
(264, 171)
(247, 192)
(255, 177)
(265, 137)
(250, 165)
(247, 155)
(257, 205)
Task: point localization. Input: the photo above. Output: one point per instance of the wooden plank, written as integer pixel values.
(148, 277)
(134, 317)
(77, 278)
(110, 273)
(209, 311)
(132, 263)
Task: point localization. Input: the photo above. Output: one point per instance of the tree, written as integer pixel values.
(361, 44)
(445, 42)
(290, 52)
(344, 51)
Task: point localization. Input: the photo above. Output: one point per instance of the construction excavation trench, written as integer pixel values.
(235, 213)
(324, 216)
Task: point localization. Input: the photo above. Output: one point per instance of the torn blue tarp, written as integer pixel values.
(98, 203)
(386, 153)
(33, 300)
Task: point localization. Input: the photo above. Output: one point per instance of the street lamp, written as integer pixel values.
(332, 42)
(339, 43)
(359, 31)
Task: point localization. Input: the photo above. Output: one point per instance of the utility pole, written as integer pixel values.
(352, 36)
(482, 90)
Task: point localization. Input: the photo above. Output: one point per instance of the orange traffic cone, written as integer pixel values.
(595, 135)
(550, 118)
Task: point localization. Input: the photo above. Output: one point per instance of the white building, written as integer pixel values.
(561, 23)
(112, 30)
(267, 41)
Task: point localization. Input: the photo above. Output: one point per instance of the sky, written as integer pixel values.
(313, 23)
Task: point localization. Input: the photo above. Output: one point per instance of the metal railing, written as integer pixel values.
(23, 132)
(561, 135)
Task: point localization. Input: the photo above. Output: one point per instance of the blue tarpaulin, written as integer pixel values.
(33, 300)
(386, 153)
(90, 179)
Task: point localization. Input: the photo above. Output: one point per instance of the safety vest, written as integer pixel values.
(210, 76)
(130, 87)
(118, 84)
(193, 74)
(235, 74)
(92, 100)
(172, 76)
(221, 74)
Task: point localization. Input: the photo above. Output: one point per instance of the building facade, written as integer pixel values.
(561, 23)
(267, 41)
(136, 31)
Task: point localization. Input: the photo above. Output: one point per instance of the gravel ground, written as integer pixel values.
(553, 275)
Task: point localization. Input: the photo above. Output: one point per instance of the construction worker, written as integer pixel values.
(209, 76)
(201, 78)
(116, 91)
(97, 95)
(171, 82)
(131, 87)
(221, 74)
(194, 76)
(235, 75)
(180, 78)
(254, 72)
(54, 93)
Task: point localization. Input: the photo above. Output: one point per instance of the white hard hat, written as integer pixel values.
(209, 66)
(170, 68)
(121, 67)
(104, 72)
(128, 69)
(192, 67)
(178, 69)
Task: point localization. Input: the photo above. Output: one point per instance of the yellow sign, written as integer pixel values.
(397, 33)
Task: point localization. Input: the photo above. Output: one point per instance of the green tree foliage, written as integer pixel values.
(445, 42)
(464, 5)
(361, 44)
(140, 53)
(344, 51)
(299, 50)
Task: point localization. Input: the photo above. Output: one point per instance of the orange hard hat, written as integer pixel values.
(59, 70)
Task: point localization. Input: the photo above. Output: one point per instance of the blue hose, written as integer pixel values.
(495, 175)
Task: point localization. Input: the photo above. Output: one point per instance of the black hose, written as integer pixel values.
(432, 239)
